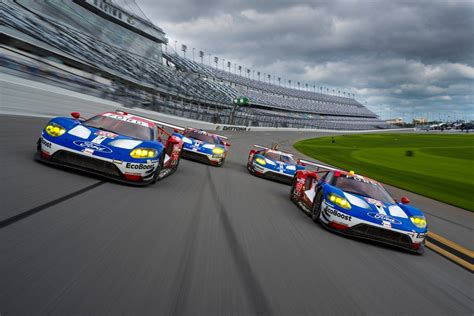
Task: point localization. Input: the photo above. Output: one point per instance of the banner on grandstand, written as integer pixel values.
(232, 128)
(241, 101)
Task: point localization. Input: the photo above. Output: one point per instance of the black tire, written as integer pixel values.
(220, 163)
(156, 175)
(293, 188)
(177, 163)
(38, 145)
(317, 205)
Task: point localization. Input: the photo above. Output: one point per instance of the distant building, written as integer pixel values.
(420, 120)
(395, 121)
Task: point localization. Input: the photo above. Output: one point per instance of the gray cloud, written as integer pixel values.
(409, 55)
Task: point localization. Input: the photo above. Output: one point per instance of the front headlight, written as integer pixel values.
(217, 151)
(144, 153)
(260, 161)
(54, 129)
(339, 201)
(418, 221)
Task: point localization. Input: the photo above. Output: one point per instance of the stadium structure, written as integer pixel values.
(116, 49)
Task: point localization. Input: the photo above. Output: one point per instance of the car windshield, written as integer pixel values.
(206, 138)
(121, 127)
(364, 187)
(278, 157)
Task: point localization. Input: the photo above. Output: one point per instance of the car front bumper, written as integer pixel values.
(352, 226)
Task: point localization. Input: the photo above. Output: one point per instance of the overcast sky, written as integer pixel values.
(403, 58)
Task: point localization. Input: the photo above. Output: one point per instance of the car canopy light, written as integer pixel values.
(144, 153)
(418, 221)
(54, 129)
(339, 201)
(260, 161)
(218, 150)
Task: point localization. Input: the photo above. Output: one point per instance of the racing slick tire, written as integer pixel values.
(177, 163)
(316, 208)
(250, 169)
(156, 175)
(293, 196)
(220, 163)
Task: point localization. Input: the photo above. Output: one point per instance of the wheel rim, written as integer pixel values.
(317, 208)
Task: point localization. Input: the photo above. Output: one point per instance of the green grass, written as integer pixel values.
(442, 166)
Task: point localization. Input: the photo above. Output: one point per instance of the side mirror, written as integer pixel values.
(405, 200)
(76, 115)
(226, 144)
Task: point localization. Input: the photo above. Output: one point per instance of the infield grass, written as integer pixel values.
(439, 166)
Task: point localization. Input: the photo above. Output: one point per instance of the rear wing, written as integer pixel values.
(274, 148)
(260, 147)
(220, 136)
(320, 167)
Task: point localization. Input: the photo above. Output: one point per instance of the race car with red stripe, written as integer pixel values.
(358, 206)
(272, 163)
(117, 145)
(203, 146)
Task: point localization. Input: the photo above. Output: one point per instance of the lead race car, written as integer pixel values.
(204, 146)
(354, 205)
(117, 145)
(272, 163)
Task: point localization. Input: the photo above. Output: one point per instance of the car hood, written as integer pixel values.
(379, 212)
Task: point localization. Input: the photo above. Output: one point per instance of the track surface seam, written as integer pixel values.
(12, 220)
(255, 292)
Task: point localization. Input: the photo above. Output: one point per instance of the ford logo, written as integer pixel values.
(93, 146)
(384, 217)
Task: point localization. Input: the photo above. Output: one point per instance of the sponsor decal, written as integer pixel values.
(384, 217)
(106, 134)
(139, 166)
(88, 151)
(99, 139)
(420, 235)
(375, 202)
(234, 128)
(92, 146)
(45, 143)
(386, 224)
(126, 119)
(333, 212)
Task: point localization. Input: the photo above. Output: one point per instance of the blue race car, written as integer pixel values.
(272, 164)
(354, 205)
(116, 145)
(203, 146)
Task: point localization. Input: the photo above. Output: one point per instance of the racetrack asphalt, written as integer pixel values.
(204, 241)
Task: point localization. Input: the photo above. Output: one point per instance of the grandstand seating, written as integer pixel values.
(205, 92)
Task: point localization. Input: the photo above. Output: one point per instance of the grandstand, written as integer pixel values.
(163, 80)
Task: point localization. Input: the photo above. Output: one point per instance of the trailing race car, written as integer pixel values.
(116, 145)
(272, 164)
(358, 206)
(204, 146)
